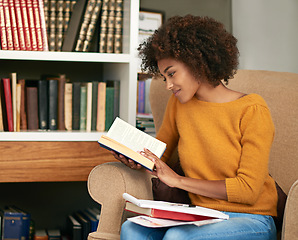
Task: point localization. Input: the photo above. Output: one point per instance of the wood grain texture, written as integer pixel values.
(50, 161)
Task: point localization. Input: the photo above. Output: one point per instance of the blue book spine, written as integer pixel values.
(12, 225)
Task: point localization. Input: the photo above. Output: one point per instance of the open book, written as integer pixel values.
(127, 140)
(173, 211)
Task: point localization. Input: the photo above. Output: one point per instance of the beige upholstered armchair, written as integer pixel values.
(107, 182)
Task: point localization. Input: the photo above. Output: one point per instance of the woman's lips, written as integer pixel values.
(176, 92)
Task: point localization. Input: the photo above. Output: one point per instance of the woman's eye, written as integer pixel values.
(171, 74)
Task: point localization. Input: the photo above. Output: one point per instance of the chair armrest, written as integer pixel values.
(106, 184)
(290, 222)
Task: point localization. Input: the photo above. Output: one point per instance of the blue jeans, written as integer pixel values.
(240, 226)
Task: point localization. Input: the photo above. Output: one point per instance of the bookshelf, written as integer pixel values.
(50, 148)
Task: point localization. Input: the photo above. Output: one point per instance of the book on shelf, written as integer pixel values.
(14, 27)
(32, 104)
(8, 28)
(101, 107)
(32, 27)
(76, 101)
(110, 91)
(25, 218)
(61, 102)
(86, 225)
(110, 27)
(94, 102)
(115, 84)
(43, 104)
(19, 23)
(141, 97)
(74, 228)
(127, 140)
(83, 107)
(23, 115)
(59, 25)
(53, 104)
(6, 102)
(103, 26)
(68, 106)
(40, 234)
(25, 18)
(168, 210)
(118, 26)
(54, 234)
(92, 220)
(3, 37)
(89, 106)
(11, 224)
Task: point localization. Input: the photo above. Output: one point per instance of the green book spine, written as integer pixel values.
(94, 105)
(83, 107)
(109, 107)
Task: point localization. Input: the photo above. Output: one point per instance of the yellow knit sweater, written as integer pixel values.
(224, 141)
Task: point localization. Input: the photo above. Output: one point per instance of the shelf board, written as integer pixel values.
(64, 56)
(50, 136)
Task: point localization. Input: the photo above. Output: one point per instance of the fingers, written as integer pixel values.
(128, 162)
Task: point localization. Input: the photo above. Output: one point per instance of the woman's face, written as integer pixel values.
(179, 79)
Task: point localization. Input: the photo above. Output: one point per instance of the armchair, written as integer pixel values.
(108, 181)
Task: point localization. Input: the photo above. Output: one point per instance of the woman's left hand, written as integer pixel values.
(161, 170)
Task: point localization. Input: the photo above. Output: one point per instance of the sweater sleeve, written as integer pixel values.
(168, 132)
(257, 131)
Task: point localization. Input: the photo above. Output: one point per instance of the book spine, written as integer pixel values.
(32, 107)
(110, 29)
(12, 226)
(109, 107)
(23, 117)
(118, 26)
(8, 25)
(141, 96)
(8, 102)
(92, 25)
(59, 25)
(76, 100)
(13, 77)
(61, 105)
(20, 26)
(53, 104)
(66, 16)
(26, 25)
(1, 120)
(94, 105)
(3, 37)
(32, 27)
(89, 106)
(101, 107)
(46, 8)
(83, 107)
(103, 26)
(43, 104)
(14, 29)
(18, 115)
(52, 26)
(43, 24)
(86, 21)
(68, 106)
(37, 24)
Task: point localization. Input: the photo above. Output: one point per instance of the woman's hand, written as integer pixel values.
(128, 162)
(161, 170)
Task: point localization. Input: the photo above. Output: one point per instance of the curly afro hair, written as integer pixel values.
(201, 43)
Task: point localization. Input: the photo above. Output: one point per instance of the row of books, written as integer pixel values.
(54, 103)
(62, 25)
(17, 224)
(22, 25)
(144, 122)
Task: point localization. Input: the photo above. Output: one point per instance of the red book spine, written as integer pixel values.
(8, 25)
(37, 25)
(31, 22)
(8, 102)
(26, 25)
(20, 26)
(3, 38)
(14, 28)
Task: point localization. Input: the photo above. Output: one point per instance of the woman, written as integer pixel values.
(223, 136)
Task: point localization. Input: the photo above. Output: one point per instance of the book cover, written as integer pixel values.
(68, 106)
(12, 225)
(109, 107)
(32, 27)
(25, 19)
(101, 107)
(7, 104)
(3, 37)
(43, 104)
(84, 26)
(20, 27)
(83, 107)
(94, 105)
(128, 140)
(168, 210)
(8, 27)
(74, 26)
(86, 227)
(32, 104)
(76, 101)
(53, 104)
(74, 228)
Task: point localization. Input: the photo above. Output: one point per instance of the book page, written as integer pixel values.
(134, 138)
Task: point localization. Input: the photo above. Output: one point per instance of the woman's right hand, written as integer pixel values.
(128, 162)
